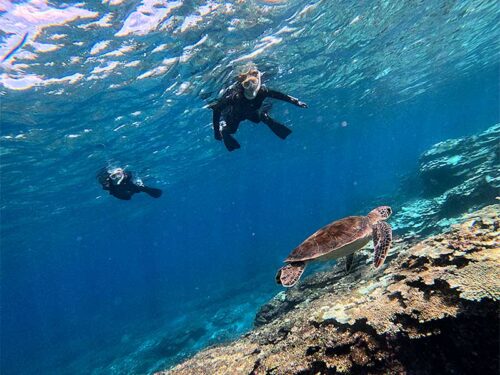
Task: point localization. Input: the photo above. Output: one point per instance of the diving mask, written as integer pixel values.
(117, 176)
(251, 83)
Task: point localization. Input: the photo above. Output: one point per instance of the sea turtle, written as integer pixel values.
(338, 239)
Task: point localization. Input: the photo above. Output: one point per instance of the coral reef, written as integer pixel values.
(432, 308)
(456, 175)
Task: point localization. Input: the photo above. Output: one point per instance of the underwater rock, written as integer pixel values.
(432, 308)
(455, 161)
(456, 175)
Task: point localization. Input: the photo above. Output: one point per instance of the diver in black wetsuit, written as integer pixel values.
(243, 101)
(120, 184)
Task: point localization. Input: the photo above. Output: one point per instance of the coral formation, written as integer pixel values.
(456, 175)
(432, 308)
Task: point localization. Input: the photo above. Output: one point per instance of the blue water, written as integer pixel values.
(91, 284)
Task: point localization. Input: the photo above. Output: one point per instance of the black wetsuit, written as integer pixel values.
(234, 107)
(126, 188)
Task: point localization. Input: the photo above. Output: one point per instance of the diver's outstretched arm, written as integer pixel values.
(286, 98)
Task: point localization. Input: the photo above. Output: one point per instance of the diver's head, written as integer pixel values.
(250, 80)
(117, 175)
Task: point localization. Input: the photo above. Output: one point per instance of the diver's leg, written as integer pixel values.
(279, 129)
(226, 130)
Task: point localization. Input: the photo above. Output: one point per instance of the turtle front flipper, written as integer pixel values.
(289, 275)
(382, 238)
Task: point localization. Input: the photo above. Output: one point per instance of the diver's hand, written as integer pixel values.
(298, 103)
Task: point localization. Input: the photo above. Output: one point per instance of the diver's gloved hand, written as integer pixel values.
(298, 103)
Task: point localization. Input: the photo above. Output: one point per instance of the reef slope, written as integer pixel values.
(432, 308)
(454, 176)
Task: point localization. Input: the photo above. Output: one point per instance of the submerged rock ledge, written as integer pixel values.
(455, 175)
(432, 308)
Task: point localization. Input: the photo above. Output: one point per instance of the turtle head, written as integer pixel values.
(379, 214)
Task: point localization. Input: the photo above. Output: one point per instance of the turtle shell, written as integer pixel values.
(331, 237)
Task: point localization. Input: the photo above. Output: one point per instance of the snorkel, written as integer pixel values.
(251, 83)
(117, 175)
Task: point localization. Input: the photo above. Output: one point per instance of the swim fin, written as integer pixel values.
(152, 192)
(230, 143)
(280, 130)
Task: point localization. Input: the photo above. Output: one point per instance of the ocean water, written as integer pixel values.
(94, 285)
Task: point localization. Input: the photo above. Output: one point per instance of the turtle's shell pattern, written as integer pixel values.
(331, 237)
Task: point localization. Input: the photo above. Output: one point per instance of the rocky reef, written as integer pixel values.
(433, 308)
(455, 176)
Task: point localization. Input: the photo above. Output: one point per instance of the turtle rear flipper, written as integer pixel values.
(289, 275)
(382, 238)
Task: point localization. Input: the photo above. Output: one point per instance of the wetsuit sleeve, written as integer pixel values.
(286, 98)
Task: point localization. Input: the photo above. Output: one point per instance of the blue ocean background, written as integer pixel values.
(94, 285)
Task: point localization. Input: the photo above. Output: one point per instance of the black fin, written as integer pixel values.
(348, 262)
(153, 192)
(280, 130)
(230, 143)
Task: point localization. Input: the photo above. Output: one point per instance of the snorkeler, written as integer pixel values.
(121, 185)
(243, 101)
